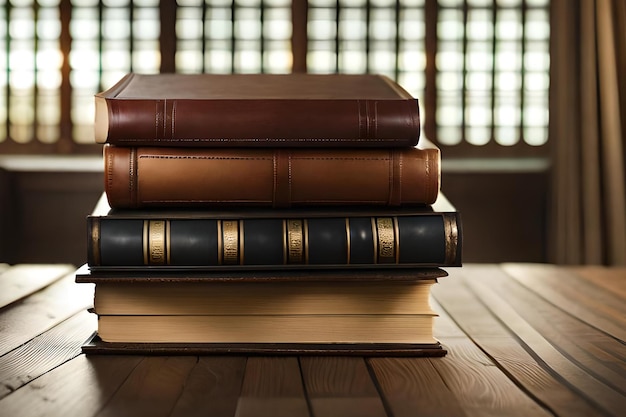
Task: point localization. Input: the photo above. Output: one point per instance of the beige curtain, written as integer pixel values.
(587, 108)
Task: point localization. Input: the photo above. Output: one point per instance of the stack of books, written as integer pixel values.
(266, 213)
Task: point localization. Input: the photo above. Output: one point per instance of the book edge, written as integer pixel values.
(95, 345)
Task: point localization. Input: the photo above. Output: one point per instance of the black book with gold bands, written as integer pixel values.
(315, 238)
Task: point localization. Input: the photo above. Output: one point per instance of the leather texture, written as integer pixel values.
(418, 239)
(205, 177)
(257, 110)
(96, 346)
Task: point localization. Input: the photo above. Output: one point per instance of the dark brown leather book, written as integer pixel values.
(257, 110)
(165, 176)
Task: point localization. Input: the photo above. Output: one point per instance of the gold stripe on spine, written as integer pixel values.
(241, 240)
(230, 230)
(305, 233)
(386, 240)
(220, 243)
(146, 258)
(295, 241)
(452, 238)
(157, 242)
(95, 240)
(348, 248)
(168, 239)
(374, 238)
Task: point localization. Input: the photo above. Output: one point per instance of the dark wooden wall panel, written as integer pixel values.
(7, 234)
(48, 212)
(504, 214)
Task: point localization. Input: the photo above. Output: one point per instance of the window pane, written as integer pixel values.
(382, 36)
(499, 66)
(242, 36)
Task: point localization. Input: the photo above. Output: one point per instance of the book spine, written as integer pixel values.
(287, 123)
(161, 176)
(428, 239)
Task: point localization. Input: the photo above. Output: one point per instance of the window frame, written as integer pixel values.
(299, 49)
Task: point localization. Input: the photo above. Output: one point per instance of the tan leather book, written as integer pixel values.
(257, 110)
(288, 177)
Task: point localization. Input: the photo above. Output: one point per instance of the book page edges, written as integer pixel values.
(268, 329)
(101, 120)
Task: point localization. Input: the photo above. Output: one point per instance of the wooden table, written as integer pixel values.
(523, 340)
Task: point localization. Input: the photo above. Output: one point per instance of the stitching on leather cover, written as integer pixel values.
(289, 180)
(259, 158)
(283, 198)
(391, 179)
(374, 118)
(173, 119)
(157, 119)
(399, 165)
(109, 167)
(275, 166)
(132, 171)
(368, 120)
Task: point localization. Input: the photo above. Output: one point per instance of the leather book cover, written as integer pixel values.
(257, 110)
(137, 177)
(95, 345)
(146, 275)
(291, 239)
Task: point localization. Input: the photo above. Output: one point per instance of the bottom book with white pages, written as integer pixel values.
(358, 312)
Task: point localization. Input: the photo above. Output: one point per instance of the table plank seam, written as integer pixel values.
(307, 397)
(383, 399)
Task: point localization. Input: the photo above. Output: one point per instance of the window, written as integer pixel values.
(492, 62)
(108, 39)
(480, 68)
(244, 36)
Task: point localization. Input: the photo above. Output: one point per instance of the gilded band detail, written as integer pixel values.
(295, 241)
(452, 239)
(168, 249)
(396, 231)
(95, 241)
(145, 248)
(374, 239)
(386, 241)
(230, 231)
(157, 242)
(241, 241)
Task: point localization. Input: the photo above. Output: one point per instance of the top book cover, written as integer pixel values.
(340, 110)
